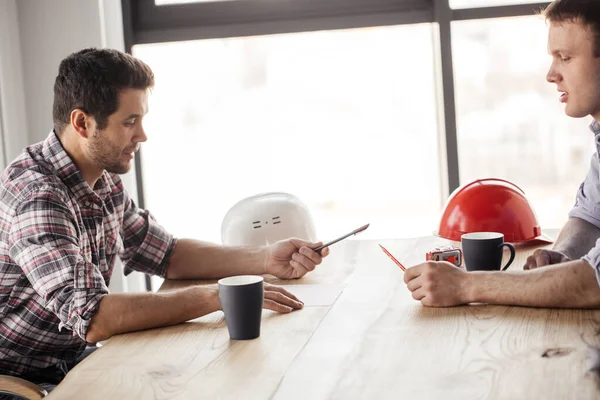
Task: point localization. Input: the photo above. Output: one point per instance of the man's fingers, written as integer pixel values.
(299, 268)
(542, 258)
(303, 259)
(418, 294)
(558, 257)
(283, 299)
(412, 272)
(313, 245)
(273, 305)
(414, 284)
(275, 288)
(313, 256)
(280, 300)
(428, 302)
(299, 243)
(530, 263)
(321, 253)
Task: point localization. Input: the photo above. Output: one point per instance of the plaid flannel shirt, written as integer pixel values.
(58, 244)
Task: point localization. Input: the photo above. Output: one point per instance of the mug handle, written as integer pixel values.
(512, 254)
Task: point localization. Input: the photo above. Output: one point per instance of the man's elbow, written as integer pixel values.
(593, 299)
(95, 336)
(172, 273)
(589, 293)
(96, 332)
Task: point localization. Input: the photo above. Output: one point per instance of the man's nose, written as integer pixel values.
(552, 76)
(141, 134)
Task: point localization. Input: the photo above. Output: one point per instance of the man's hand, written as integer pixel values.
(438, 284)
(543, 257)
(293, 258)
(276, 298)
(280, 300)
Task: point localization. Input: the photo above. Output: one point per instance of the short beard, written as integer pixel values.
(106, 155)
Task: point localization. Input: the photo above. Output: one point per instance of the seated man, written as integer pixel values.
(65, 217)
(572, 279)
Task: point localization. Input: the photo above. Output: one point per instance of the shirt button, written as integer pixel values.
(87, 203)
(81, 274)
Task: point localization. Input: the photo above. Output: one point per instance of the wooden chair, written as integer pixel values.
(21, 387)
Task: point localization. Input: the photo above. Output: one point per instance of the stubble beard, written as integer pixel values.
(106, 155)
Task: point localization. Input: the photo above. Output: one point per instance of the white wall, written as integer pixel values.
(12, 93)
(35, 35)
(50, 31)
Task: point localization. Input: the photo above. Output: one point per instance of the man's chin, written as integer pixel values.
(119, 169)
(575, 113)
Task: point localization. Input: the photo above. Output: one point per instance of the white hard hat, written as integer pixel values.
(266, 218)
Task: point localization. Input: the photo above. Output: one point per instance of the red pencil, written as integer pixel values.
(393, 258)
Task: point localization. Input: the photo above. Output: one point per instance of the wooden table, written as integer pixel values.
(360, 336)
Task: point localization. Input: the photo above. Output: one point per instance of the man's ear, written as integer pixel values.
(81, 122)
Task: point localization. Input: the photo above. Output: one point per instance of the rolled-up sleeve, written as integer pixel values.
(593, 258)
(147, 246)
(587, 208)
(587, 203)
(44, 242)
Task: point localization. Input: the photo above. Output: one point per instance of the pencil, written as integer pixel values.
(393, 258)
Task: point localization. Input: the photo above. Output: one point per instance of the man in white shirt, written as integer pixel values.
(571, 271)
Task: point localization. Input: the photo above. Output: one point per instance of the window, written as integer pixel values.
(345, 120)
(510, 123)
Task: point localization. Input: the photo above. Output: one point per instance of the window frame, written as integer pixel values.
(145, 22)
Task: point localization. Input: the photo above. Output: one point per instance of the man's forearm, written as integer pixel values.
(128, 312)
(193, 259)
(576, 238)
(568, 285)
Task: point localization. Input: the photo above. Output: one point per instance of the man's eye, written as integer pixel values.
(129, 124)
(565, 59)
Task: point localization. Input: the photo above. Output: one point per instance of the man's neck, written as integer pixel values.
(73, 147)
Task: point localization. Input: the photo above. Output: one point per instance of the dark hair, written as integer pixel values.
(91, 79)
(585, 11)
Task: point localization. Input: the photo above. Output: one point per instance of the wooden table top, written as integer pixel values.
(360, 336)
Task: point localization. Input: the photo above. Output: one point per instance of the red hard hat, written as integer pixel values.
(489, 205)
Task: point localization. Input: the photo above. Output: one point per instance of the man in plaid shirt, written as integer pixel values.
(65, 217)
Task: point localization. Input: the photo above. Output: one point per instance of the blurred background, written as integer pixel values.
(347, 120)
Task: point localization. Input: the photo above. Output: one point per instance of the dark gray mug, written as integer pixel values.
(482, 251)
(242, 302)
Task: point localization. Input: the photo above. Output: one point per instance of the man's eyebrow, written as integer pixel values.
(558, 51)
(130, 116)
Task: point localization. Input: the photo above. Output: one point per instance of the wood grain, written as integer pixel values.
(373, 342)
(197, 360)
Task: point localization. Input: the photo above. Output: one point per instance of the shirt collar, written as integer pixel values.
(66, 170)
(595, 127)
